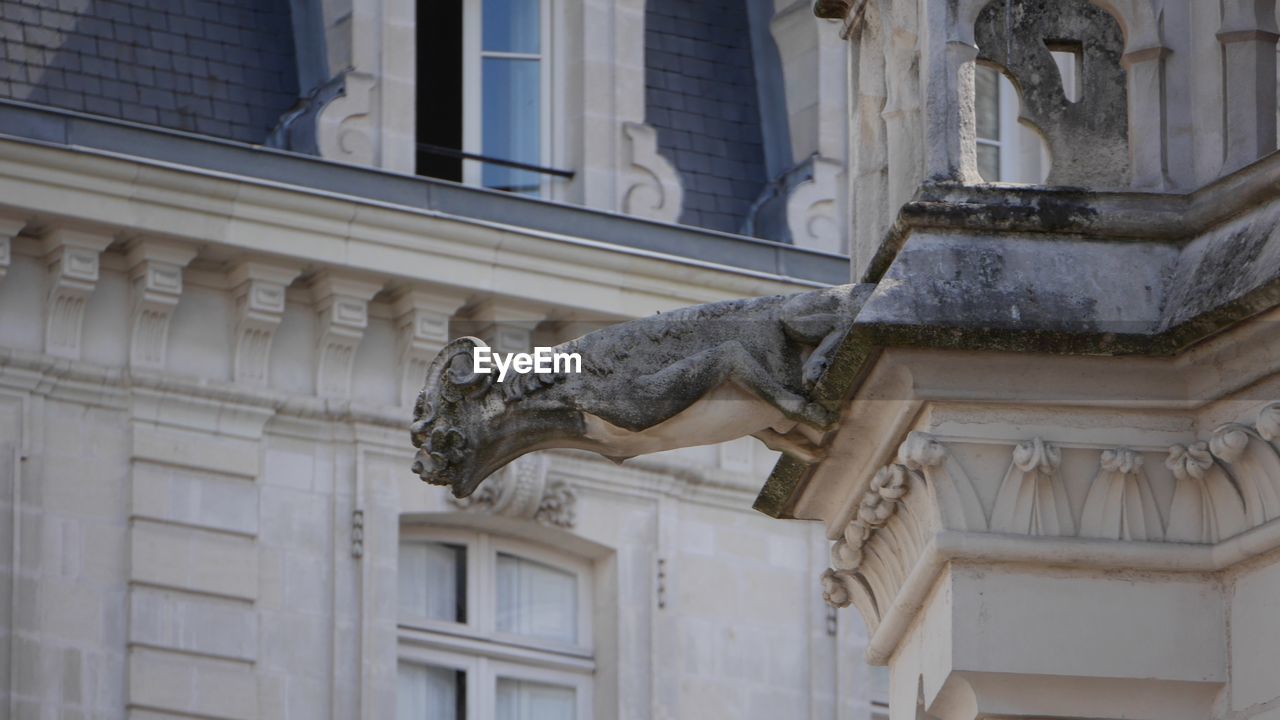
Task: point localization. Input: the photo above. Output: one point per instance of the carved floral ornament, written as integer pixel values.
(1223, 487)
(524, 490)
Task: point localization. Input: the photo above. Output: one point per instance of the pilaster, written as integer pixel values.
(259, 292)
(1248, 37)
(156, 277)
(342, 305)
(72, 257)
(194, 560)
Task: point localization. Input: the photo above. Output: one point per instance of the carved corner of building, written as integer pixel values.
(652, 187)
(524, 490)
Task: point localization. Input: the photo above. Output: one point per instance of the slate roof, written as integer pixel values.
(224, 68)
(701, 96)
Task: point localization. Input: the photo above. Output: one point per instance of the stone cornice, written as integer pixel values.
(145, 157)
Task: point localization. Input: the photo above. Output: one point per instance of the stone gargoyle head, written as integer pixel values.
(463, 426)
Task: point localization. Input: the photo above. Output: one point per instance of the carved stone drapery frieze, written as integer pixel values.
(1031, 500)
(1120, 504)
(259, 292)
(72, 257)
(524, 490)
(1222, 487)
(1207, 507)
(156, 276)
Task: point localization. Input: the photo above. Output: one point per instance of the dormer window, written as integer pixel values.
(484, 93)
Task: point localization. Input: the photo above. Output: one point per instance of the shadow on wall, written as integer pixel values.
(224, 68)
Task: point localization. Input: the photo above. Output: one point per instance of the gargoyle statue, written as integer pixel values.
(695, 376)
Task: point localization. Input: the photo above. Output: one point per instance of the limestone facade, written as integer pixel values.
(205, 386)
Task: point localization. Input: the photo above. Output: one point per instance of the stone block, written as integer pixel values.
(192, 685)
(192, 559)
(204, 451)
(208, 500)
(193, 623)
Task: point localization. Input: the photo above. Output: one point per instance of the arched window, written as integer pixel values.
(492, 627)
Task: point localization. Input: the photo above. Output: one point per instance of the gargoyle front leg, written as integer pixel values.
(823, 331)
(664, 394)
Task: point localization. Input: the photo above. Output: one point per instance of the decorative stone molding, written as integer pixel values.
(422, 321)
(345, 126)
(1254, 464)
(652, 185)
(72, 257)
(1032, 500)
(1120, 504)
(880, 545)
(156, 276)
(9, 229)
(342, 304)
(523, 490)
(1223, 487)
(958, 503)
(259, 292)
(811, 208)
(1207, 506)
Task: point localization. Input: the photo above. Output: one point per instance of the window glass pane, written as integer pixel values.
(511, 25)
(536, 600)
(430, 693)
(520, 700)
(989, 162)
(986, 86)
(510, 119)
(433, 581)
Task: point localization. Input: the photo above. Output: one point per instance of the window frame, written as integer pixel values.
(473, 55)
(1000, 140)
(476, 647)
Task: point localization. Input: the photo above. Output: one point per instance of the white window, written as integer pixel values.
(506, 80)
(486, 89)
(492, 628)
(1009, 151)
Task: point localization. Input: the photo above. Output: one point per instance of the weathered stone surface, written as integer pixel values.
(695, 376)
(1087, 138)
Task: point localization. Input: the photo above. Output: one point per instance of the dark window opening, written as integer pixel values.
(439, 100)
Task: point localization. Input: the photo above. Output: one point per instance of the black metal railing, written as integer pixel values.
(461, 155)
